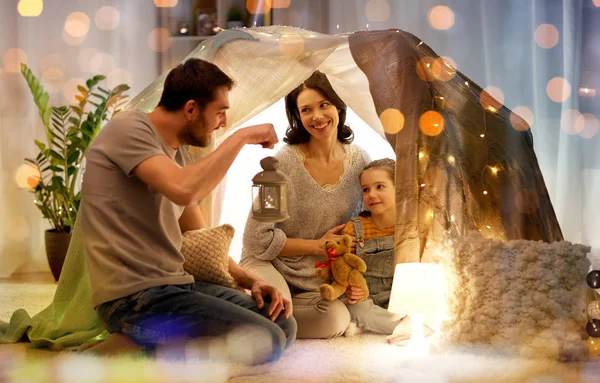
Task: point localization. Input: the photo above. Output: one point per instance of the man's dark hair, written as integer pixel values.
(196, 80)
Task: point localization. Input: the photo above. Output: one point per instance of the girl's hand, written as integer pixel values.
(354, 294)
(354, 244)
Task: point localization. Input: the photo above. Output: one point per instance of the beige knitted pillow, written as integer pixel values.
(206, 254)
(521, 297)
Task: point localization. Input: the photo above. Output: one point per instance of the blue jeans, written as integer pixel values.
(170, 313)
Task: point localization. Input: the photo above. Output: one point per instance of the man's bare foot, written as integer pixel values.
(115, 344)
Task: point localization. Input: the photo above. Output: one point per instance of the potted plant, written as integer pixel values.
(235, 17)
(69, 131)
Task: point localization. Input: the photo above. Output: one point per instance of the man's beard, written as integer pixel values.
(187, 137)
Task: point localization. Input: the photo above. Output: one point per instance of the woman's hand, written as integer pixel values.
(354, 294)
(331, 234)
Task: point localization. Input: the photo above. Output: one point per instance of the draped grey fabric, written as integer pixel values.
(479, 173)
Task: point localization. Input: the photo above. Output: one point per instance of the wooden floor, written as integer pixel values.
(40, 278)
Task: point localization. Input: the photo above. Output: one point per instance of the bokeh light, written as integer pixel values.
(291, 45)
(258, 7)
(13, 58)
(377, 10)
(72, 40)
(165, 3)
(392, 120)
(596, 3)
(491, 98)
(53, 70)
(445, 68)
(102, 63)
(441, 17)
(30, 8)
(558, 89)
(159, 40)
(521, 118)
(84, 58)
(587, 125)
(107, 18)
(527, 201)
(568, 121)
(70, 89)
(426, 70)
(431, 123)
(280, 3)
(52, 61)
(119, 76)
(27, 176)
(587, 92)
(18, 229)
(496, 93)
(77, 24)
(546, 36)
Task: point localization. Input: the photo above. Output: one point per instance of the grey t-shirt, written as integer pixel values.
(131, 233)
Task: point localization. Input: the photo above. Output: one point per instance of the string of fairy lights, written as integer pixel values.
(593, 313)
(430, 69)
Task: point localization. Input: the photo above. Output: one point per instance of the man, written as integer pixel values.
(140, 192)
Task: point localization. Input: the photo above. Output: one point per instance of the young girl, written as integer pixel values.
(374, 232)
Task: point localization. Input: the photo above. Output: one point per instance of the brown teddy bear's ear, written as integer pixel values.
(347, 240)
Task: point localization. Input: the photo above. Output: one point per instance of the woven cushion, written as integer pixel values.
(206, 254)
(519, 296)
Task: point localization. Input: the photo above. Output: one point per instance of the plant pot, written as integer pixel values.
(57, 244)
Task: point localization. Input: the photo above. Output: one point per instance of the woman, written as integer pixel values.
(323, 169)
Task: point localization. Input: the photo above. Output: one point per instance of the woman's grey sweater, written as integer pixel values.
(313, 210)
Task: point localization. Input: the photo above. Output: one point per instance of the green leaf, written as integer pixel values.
(46, 116)
(121, 88)
(56, 156)
(58, 182)
(40, 145)
(73, 157)
(77, 110)
(74, 121)
(43, 100)
(93, 81)
(53, 168)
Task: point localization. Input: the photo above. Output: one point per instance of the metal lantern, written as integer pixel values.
(269, 193)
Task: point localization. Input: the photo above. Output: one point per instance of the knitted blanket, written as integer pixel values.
(70, 320)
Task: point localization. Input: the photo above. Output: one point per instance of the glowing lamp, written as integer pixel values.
(269, 193)
(417, 290)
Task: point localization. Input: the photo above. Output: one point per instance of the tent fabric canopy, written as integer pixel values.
(464, 162)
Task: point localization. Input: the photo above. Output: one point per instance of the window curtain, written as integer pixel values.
(63, 46)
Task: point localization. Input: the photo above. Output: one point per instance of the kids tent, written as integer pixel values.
(464, 161)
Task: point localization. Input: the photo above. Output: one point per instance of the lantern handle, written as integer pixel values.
(269, 163)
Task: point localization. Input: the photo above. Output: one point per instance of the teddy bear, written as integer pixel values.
(345, 268)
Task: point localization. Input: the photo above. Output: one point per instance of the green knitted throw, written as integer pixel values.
(70, 320)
